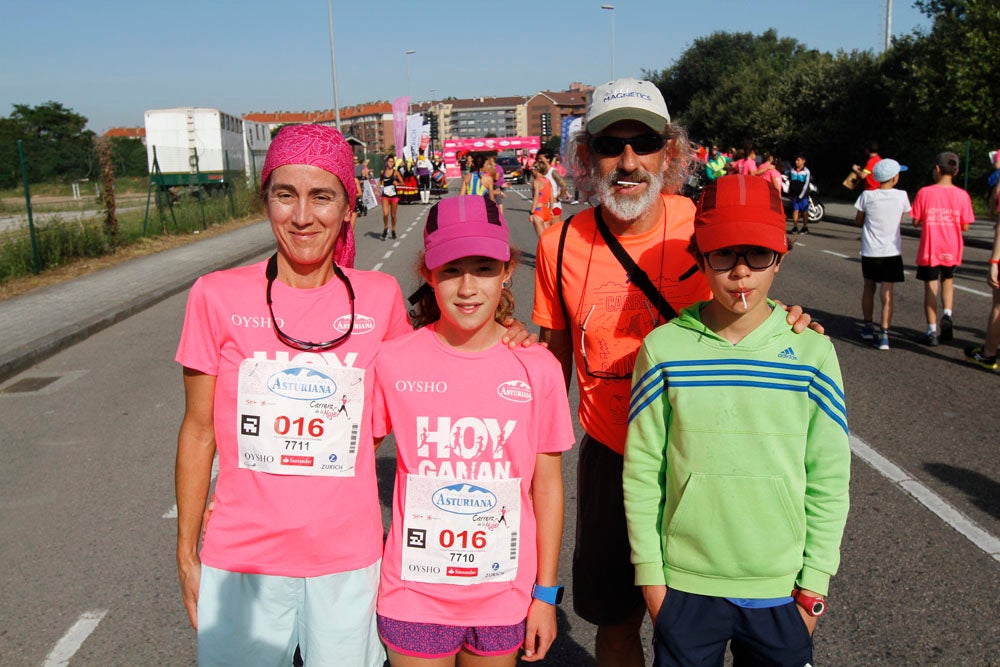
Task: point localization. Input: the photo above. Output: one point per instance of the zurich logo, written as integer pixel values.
(496, 566)
(464, 499)
(302, 384)
(333, 458)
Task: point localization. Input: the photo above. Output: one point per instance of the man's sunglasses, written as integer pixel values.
(643, 144)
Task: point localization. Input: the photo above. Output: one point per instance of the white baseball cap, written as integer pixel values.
(627, 99)
(886, 169)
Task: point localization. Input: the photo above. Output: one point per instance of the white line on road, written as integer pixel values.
(951, 516)
(837, 254)
(71, 642)
(971, 291)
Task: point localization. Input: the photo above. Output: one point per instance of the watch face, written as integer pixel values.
(818, 608)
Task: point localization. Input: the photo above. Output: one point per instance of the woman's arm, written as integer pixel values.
(192, 477)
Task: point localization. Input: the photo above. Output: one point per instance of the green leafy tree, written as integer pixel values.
(56, 145)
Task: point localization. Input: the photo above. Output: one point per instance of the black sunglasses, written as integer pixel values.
(643, 144)
(757, 259)
(271, 273)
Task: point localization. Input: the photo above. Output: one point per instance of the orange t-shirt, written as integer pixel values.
(616, 313)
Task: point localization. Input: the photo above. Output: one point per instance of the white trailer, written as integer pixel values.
(195, 146)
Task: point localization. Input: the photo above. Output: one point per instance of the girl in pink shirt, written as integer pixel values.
(470, 568)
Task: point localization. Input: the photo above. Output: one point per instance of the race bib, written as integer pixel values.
(389, 190)
(299, 420)
(460, 532)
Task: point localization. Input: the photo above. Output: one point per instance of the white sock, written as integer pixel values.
(947, 312)
(932, 328)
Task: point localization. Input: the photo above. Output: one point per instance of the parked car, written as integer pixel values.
(511, 169)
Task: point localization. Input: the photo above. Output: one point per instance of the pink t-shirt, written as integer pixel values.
(289, 524)
(475, 417)
(942, 211)
(746, 167)
(773, 177)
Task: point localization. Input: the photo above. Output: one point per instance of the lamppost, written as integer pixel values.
(333, 64)
(409, 91)
(611, 8)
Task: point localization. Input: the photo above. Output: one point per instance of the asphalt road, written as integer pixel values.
(86, 489)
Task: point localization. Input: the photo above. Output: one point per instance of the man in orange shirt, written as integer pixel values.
(594, 314)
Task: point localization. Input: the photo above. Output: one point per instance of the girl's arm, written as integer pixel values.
(547, 498)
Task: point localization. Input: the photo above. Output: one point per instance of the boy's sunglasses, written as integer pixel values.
(643, 144)
(757, 259)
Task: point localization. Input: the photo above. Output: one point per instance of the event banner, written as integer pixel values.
(452, 147)
(399, 108)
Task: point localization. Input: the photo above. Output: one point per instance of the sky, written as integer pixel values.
(111, 60)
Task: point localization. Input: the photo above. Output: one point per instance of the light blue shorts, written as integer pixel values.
(259, 619)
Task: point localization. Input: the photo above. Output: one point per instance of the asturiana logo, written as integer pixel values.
(302, 384)
(362, 324)
(518, 391)
(464, 499)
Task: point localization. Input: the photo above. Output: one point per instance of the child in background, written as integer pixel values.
(769, 171)
(470, 569)
(798, 192)
(737, 460)
(880, 213)
(942, 211)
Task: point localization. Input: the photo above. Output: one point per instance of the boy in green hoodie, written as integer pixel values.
(737, 460)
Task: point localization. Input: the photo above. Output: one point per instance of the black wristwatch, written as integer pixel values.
(551, 594)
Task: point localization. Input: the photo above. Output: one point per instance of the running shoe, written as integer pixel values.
(883, 341)
(394, 235)
(868, 331)
(805, 231)
(947, 329)
(974, 355)
(385, 233)
(930, 339)
(574, 202)
(795, 230)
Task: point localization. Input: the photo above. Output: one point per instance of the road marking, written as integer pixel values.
(837, 254)
(377, 267)
(951, 516)
(970, 290)
(71, 642)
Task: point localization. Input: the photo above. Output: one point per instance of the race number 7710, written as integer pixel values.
(298, 427)
(448, 539)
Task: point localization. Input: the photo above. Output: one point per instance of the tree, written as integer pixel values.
(56, 145)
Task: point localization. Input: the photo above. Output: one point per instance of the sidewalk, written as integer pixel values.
(980, 234)
(44, 321)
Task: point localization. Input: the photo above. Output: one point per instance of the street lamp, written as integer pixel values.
(409, 92)
(333, 64)
(611, 8)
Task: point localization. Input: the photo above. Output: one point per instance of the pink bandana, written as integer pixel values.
(324, 147)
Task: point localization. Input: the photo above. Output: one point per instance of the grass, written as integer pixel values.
(62, 240)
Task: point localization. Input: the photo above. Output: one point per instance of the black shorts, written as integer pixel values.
(604, 590)
(928, 273)
(883, 269)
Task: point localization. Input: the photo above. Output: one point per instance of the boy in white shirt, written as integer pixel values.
(880, 213)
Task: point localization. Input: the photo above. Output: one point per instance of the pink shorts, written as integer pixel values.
(430, 640)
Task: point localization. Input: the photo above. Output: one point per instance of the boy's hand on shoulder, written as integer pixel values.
(517, 335)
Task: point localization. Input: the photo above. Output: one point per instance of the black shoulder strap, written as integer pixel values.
(635, 273)
(559, 265)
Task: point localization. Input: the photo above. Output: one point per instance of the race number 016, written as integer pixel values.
(283, 426)
(447, 539)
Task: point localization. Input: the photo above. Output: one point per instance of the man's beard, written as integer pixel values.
(626, 207)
